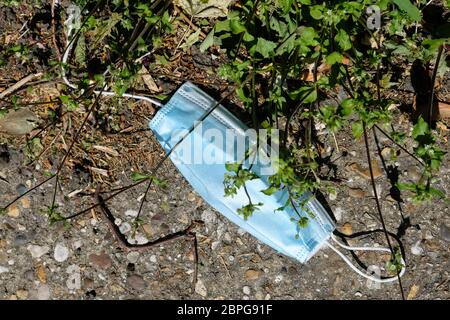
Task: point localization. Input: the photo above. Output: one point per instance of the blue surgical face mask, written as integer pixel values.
(201, 136)
(216, 138)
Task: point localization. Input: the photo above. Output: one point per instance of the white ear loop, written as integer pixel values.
(73, 22)
(354, 268)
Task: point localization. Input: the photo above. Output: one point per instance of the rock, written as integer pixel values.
(205, 9)
(416, 249)
(347, 229)
(413, 292)
(338, 213)
(252, 274)
(139, 238)
(278, 278)
(131, 213)
(356, 193)
(414, 174)
(61, 252)
(37, 251)
(191, 197)
(101, 260)
(153, 259)
(214, 245)
(73, 282)
(77, 244)
(3, 269)
(22, 294)
(13, 211)
(88, 283)
(21, 189)
(133, 257)
(365, 173)
(209, 217)
(201, 289)
(19, 122)
(43, 292)
(20, 240)
(125, 228)
(246, 290)
(387, 153)
(332, 195)
(41, 274)
(25, 201)
(29, 275)
(444, 232)
(148, 230)
(136, 282)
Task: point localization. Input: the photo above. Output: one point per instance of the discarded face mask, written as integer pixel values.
(201, 136)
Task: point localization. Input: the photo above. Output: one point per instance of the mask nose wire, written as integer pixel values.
(72, 21)
(358, 271)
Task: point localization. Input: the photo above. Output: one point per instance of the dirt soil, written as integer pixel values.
(82, 260)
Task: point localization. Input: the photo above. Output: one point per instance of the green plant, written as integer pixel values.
(276, 42)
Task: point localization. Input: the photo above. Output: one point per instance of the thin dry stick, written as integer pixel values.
(55, 44)
(127, 246)
(375, 192)
(433, 82)
(19, 84)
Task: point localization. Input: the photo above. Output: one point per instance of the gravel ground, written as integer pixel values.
(83, 261)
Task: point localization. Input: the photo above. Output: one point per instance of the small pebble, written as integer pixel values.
(101, 260)
(136, 282)
(416, 249)
(13, 211)
(61, 252)
(20, 240)
(22, 294)
(43, 292)
(21, 189)
(191, 197)
(338, 213)
(278, 278)
(356, 193)
(444, 232)
(252, 274)
(200, 288)
(125, 228)
(3, 269)
(347, 229)
(332, 195)
(133, 256)
(246, 290)
(153, 259)
(131, 213)
(37, 251)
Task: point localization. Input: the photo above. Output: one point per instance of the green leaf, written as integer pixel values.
(236, 26)
(265, 47)
(208, 42)
(420, 129)
(410, 9)
(343, 39)
(271, 190)
(136, 176)
(357, 129)
(234, 167)
(334, 57)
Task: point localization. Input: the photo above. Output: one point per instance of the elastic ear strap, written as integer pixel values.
(354, 268)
